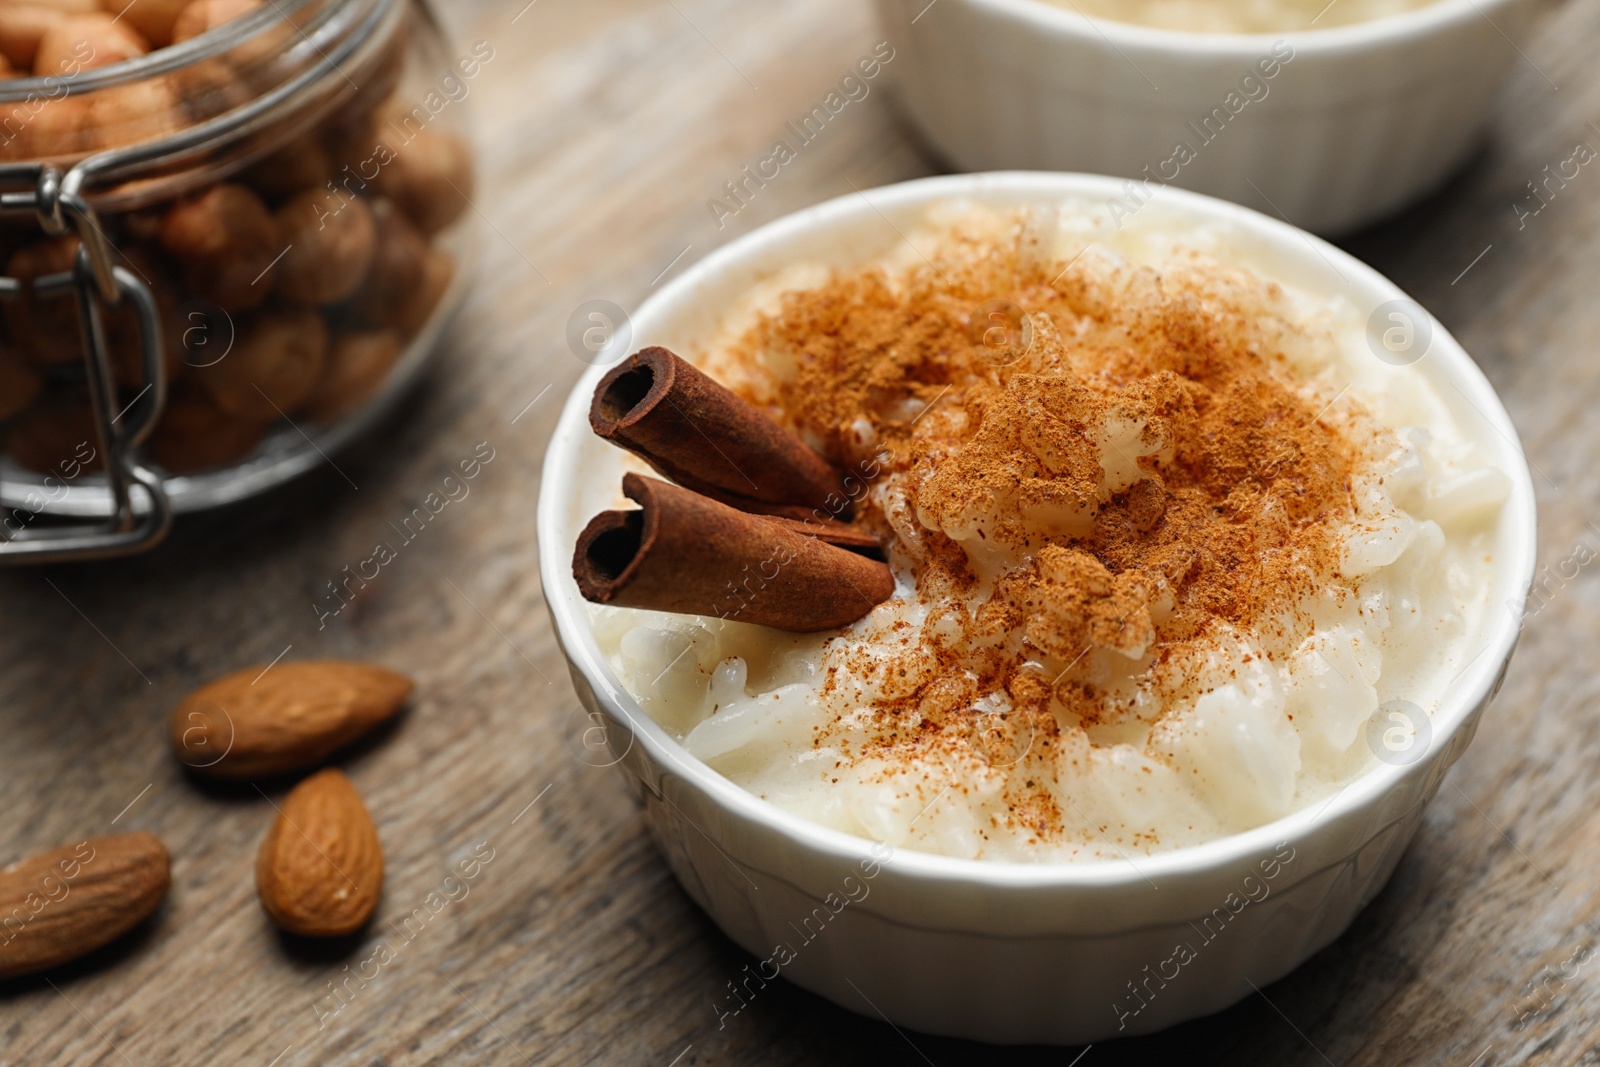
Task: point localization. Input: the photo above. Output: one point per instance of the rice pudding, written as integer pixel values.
(1241, 16)
(1165, 534)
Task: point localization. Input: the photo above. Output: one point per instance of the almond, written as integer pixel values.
(65, 903)
(259, 722)
(321, 868)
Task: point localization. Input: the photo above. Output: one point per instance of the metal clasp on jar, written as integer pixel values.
(140, 514)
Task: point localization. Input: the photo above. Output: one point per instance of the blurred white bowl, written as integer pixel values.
(1354, 122)
(994, 951)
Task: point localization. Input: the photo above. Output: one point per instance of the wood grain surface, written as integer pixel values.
(604, 127)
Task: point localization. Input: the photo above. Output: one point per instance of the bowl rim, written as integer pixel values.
(1404, 28)
(1464, 695)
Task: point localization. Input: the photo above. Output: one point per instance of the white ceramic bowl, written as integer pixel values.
(1363, 119)
(1010, 952)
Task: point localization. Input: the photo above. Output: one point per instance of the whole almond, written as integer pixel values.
(321, 867)
(256, 723)
(58, 905)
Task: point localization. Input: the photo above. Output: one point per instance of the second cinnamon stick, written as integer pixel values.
(684, 552)
(702, 436)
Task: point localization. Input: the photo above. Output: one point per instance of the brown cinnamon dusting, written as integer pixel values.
(1234, 486)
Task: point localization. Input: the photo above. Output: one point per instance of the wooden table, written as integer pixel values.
(605, 127)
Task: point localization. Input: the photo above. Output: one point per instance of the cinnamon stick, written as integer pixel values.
(700, 435)
(684, 552)
(834, 533)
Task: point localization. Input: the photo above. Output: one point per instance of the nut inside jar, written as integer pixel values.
(292, 268)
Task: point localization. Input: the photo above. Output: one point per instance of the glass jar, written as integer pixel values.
(220, 260)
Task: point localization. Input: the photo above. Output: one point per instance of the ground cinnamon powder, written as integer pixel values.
(1133, 468)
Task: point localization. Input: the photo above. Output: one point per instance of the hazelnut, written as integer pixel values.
(274, 365)
(44, 328)
(152, 19)
(198, 335)
(19, 383)
(331, 240)
(144, 223)
(21, 27)
(128, 114)
(203, 16)
(438, 271)
(49, 129)
(397, 266)
(291, 169)
(61, 127)
(429, 177)
(56, 435)
(357, 366)
(261, 50)
(208, 88)
(227, 242)
(351, 138)
(122, 323)
(195, 435)
(16, 140)
(84, 42)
